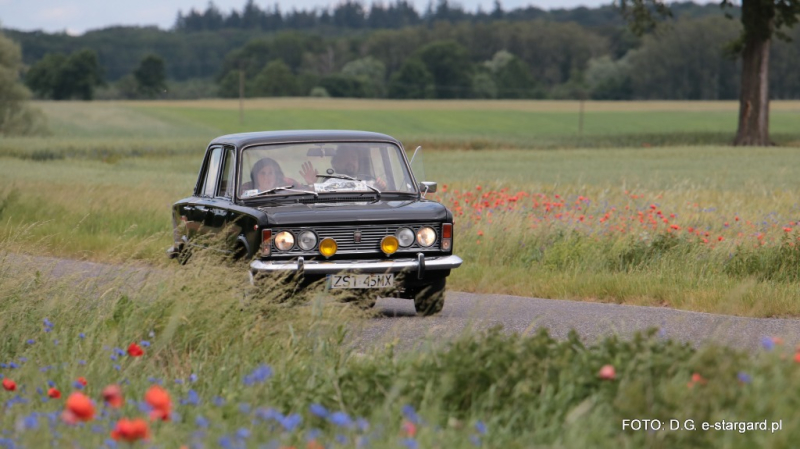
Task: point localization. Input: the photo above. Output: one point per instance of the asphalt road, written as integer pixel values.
(470, 312)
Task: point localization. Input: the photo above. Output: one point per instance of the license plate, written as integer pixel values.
(361, 280)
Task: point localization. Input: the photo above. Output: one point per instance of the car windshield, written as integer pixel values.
(285, 169)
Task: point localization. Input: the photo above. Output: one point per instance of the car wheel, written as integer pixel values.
(184, 255)
(429, 299)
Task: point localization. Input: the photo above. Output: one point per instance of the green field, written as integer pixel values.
(629, 212)
(101, 186)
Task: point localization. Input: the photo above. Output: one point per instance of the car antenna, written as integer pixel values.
(414, 155)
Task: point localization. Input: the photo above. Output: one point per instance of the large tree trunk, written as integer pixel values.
(757, 19)
(754, 95)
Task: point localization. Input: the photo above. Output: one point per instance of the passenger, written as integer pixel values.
(266, 174)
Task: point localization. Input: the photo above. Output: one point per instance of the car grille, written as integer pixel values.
(371, 236)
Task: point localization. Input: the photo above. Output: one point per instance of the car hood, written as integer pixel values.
(354, 212)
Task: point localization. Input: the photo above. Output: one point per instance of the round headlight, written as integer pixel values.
(405, 237)
(307, 240)
(426, 236)
(389, 245)
(327, 247)
(284, 240)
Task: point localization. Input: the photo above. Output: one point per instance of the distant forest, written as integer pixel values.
(391, 50)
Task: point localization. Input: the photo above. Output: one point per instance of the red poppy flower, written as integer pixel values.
(797, 357)
(112, 394)
(135, 350)
(53, 393)
(607, 372)
(82, 381)
(159, 399)
(131, 430)
(80, 406)
(410, 429)
(9, 385)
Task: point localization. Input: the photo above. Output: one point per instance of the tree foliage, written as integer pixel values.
(151, 78)
(61, 77)
(16, 116)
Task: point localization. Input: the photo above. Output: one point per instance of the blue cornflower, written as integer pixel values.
(78, 385)
(319, 410)
(55, 342)
(31, 421)
(259, 375)
(82, 335)
(154, 380)
(193, 378)
(117, 367)
(291, 422)
(269, 414)
(410, 443)
(81, 362)
(200, 421)
(98, 429)
(110, 444)
(480, 427)
(362, 424)
(13, 365)
(410, 414)
(119, 351)
(475, 439)
(341, 439)
(313, 434)
(179, 381)
(51, 384)
(341, 419)
(219, 401)
(767, 343)
(31, 341)
(744, 377)
(243, 433)
(23, 359)
(192, 398)
(47, 323)
(144, 344)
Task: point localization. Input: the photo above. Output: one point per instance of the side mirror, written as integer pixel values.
(427, 187)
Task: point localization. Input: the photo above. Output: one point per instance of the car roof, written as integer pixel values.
(241, 140)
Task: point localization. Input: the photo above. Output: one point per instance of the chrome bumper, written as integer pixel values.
(420, 264)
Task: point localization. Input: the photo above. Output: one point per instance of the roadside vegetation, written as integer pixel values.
(192, 356)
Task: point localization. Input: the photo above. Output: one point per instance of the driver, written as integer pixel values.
(346, 161)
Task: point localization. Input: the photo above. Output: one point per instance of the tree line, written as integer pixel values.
(457, 57)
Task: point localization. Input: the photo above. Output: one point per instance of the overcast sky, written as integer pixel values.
(78, 16)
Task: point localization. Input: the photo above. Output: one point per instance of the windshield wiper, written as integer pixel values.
(282, 188)
(350, 178)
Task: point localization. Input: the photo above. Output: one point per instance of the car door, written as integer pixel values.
(196, 210)
(218, 204)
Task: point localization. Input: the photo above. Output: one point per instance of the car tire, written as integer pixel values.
(429, 299)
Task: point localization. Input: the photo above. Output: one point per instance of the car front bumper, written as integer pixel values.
(419, 265)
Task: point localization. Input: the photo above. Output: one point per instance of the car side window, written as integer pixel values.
(212, 172)
(228, 165)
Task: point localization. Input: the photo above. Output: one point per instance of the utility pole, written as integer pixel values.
(241, 94)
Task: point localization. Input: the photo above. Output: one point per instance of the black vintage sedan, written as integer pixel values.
(343, 206)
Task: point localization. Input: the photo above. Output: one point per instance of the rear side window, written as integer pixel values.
(228, 165)
(212, 172)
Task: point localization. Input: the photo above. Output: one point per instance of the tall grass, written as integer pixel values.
(244, 370)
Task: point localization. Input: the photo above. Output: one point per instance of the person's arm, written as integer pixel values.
(309, 173)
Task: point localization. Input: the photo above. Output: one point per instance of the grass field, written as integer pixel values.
(101, 186)
(626, 213)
